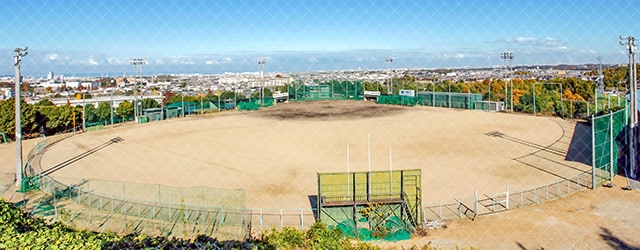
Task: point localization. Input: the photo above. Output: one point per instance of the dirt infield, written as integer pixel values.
(275, 153)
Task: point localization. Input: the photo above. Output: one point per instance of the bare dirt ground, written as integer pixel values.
(274, 155)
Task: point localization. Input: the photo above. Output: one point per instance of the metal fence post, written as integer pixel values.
(281, 222)
(301, 218)
(593, 151)
(507, 196)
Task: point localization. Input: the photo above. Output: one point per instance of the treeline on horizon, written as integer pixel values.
(44, 118)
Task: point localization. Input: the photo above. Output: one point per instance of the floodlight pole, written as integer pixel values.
(135, 91)
(511, 80)
(84, 112)
(111, 106)
(19, 53)
(261, 63)
(505, 56)
(389, 60)
(135, 62)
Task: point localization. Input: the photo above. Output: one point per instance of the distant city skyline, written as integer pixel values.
(81, 37)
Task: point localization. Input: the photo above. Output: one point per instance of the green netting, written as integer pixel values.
(333, 90)
(400, 100)
(248, 106)
(609, 141)
(255, 104)
(371, 205)
(449, 99)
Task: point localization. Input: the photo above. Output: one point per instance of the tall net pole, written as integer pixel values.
(19, 53)
(629, 42)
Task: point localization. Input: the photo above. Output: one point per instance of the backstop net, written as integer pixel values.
(371, 205)
(609, 144)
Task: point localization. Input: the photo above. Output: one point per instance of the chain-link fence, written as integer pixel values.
(186, 212)
(473, 206)
(132, 207)
(609, 143)
(143, 208)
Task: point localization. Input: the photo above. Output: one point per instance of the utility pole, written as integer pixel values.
(19, 53)
(630, 43)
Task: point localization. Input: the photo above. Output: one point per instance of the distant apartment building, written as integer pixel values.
(6, 93)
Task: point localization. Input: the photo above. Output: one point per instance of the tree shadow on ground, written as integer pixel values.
(615, 242)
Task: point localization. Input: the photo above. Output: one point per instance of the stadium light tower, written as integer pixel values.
(630, 43)
(135, 62)
(505, 56)
(19, 53)
(389, 61)
(261, 63)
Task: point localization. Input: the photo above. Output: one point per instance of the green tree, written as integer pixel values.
(103, 111)
(27, 118)
(90, 113)
(44, 102)
(148, 103)
(124, 110)
(227, 95)
(57, 119)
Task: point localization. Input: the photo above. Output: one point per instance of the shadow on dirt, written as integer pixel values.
(615, 242)
(580, 147)
(80, 156)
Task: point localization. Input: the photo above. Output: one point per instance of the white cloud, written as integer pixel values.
(531, 41)
(52, 57)
(459, 55)
(92, 61)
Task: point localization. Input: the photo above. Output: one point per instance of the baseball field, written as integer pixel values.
(274, 155)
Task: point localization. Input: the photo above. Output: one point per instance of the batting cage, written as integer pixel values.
(371, 205)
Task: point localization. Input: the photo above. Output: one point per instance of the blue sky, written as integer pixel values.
(100, 37)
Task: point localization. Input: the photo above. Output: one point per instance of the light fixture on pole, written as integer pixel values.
(19, 53)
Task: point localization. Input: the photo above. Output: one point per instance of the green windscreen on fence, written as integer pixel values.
(332, 90)
(255, 104)
(609, 143)
(371, 205)
(449, 99)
